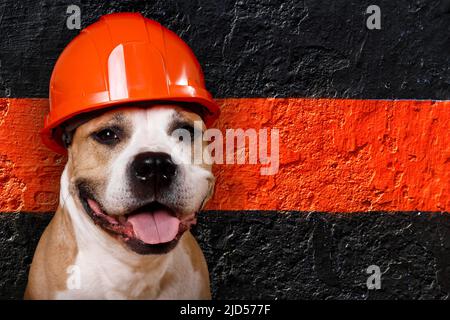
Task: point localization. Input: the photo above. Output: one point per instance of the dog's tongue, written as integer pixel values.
(154, 227)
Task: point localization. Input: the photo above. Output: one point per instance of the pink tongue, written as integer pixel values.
(155, 227)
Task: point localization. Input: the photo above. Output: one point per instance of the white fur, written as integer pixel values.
(150, 134)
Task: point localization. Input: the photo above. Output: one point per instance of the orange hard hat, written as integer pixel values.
(123, 58)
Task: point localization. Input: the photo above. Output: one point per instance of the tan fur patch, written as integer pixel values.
(55, 252)
(199, 263)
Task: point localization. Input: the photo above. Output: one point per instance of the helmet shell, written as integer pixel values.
(122, 58)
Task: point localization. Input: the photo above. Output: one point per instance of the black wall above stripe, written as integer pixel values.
(294, 48)
(294, 255)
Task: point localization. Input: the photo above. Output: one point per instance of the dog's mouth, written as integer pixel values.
(152, 228)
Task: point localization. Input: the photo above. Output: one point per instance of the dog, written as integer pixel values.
(129, 193)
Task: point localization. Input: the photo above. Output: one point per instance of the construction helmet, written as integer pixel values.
(123, 58)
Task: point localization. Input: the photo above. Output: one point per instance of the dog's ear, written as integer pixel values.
(67, 138)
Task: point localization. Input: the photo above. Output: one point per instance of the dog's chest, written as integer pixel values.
(102, 277)
(99, 276)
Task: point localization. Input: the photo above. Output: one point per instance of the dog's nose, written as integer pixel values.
(155, 168)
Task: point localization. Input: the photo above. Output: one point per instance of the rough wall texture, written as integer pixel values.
(336, 155)
(384, 164)
(257, 48)
(29, 173)
(289, 255)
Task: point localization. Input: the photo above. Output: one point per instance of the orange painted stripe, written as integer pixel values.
(336, 155)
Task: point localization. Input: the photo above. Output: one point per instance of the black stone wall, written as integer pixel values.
(257, 48)
(288, 255)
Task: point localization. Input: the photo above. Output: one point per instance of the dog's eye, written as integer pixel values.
(189, 129)
(106, 136)
(185, 132)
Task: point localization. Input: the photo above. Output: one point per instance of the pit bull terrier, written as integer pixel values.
(129, 194)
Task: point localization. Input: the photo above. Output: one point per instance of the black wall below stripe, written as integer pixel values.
(289, 255)
(264, 48)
